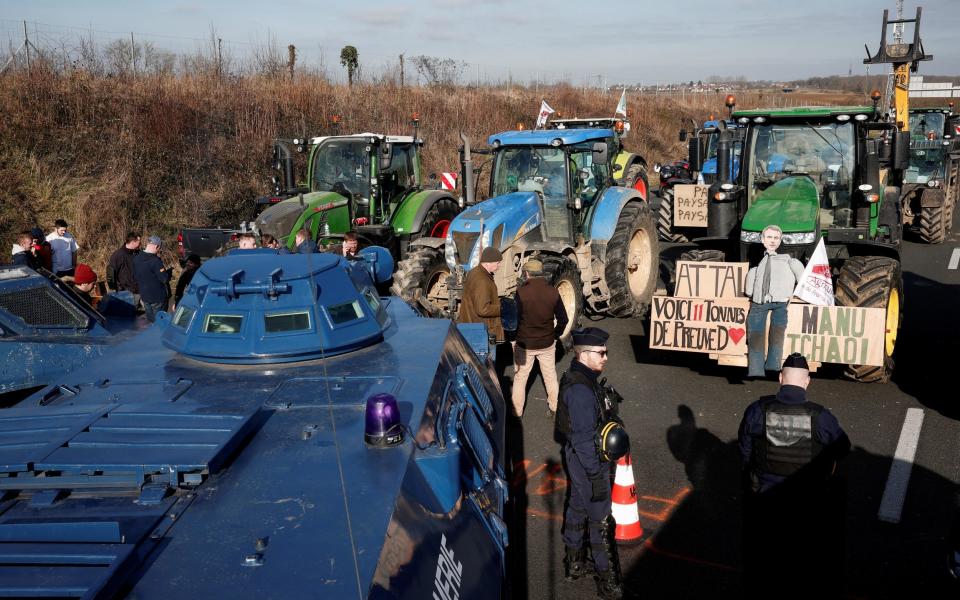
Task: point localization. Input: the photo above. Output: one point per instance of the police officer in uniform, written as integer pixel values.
(793, 501)
(584, 409)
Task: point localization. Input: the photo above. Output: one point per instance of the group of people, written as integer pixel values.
(790, 446)
(135, 269)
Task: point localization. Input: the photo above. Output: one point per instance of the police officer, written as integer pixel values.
(580, 411)
(793, 502)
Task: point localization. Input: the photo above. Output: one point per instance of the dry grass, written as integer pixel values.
(156, 153)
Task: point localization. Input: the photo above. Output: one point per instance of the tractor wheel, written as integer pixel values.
(933, 224)
(665, 228)
(633, 262)
(952, 196)
(636, 178)
(564, 275)
(703, 256)
(437, 220)
(873, 282)
(421, 281)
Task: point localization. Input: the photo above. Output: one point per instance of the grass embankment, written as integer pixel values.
(156, 153)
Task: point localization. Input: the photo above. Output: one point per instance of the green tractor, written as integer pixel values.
(932, 181)
(818, 172)
(370, 183)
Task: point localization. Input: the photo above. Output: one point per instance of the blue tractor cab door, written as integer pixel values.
(541, 169)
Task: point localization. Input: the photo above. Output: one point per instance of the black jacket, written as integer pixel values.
(25, 259)
(120, 274)
(151, 277)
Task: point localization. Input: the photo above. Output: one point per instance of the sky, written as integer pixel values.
(600, 41)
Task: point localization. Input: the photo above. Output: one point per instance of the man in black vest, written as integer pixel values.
(581, 409)
(541, 318)
(793, 502)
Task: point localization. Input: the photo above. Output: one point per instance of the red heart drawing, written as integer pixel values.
(736, 334)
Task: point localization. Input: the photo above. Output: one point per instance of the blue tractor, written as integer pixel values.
(553, 197)
(286, 433)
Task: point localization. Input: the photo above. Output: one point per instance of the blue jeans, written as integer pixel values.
(756, 325)
(152, 308)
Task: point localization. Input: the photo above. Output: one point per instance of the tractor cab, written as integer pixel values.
(929, 123)
(373, 171)
(811, 171)
(567, 169)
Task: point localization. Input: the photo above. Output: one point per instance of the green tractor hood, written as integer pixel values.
(791, 203)
(284, 219)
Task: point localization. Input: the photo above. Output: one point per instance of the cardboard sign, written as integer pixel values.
(711, 279)
(712, 325)
(836, 334)
(690, 205)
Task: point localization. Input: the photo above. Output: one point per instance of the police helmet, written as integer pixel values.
(614, 441)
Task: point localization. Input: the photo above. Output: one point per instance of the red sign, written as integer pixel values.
(448, 181)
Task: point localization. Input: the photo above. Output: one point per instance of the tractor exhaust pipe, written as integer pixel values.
(469, 194)
(283, 163)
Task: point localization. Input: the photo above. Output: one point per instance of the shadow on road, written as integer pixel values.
(697, 551)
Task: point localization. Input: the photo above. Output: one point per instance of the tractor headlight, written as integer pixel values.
(806, 237)
(450, 251)
(933, 183)
(750, 237)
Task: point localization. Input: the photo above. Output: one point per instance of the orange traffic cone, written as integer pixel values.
(624, 504)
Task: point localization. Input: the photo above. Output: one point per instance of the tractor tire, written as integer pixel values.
(633, 262)
(421, 281)
(665, 227)
(703, 256)
(873, 282)
(438, 218)
(636, 178)
(933, 224)
(564, 275)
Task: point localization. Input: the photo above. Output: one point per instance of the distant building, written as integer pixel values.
(919, 89)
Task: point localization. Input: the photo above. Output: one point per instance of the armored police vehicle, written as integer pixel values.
(47, 330)
(286, 433)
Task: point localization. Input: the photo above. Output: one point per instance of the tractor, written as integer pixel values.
(553, 197)
(824, 172)
(932, 181)
(370, 183)
(702, 142)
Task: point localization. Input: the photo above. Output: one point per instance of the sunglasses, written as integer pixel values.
(600, 352)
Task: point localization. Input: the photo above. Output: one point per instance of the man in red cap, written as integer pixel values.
(84, 279)
(481, 302)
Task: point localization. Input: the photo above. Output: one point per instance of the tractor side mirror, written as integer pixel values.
(683, 135)
(386, 156)
(901, 151)
(600, 153)
(695, 154)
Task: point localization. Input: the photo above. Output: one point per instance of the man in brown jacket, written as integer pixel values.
(481, 303)
(541, 319)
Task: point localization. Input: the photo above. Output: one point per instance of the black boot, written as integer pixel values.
(576, 565)
(608, 585)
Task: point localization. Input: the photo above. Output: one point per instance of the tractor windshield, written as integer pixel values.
(824, 152)
(927, 125)
(926, 161)
(342, 165)
(536, 169)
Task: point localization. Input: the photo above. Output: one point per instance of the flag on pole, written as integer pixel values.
(545, 111)
(622, 105)
(816, 284)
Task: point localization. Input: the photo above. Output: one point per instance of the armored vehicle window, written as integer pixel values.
(344, 313)
(223, 324)
(372, 299)
(183, 316)
(284, 322)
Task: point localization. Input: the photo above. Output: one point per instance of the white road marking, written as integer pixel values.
(891, 505)
(954, 259)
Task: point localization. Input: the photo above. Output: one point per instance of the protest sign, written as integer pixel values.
(690, 205)
(836, 334)
(711, 279)
(714, 325)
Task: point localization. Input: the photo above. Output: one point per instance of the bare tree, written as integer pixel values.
(442, 72)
